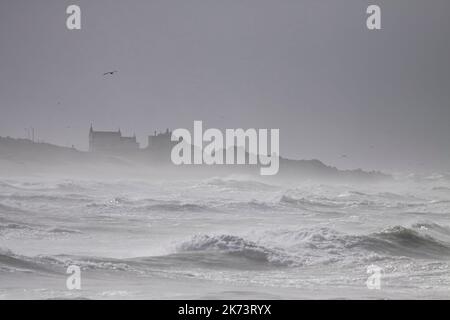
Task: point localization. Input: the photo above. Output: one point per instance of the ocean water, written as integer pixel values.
(232, 238)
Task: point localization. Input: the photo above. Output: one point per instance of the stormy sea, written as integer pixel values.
(230, 237)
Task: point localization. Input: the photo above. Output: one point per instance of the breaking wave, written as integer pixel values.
(351, 199)
(176, 206)
(268, 249)
(236, 184)
(11, 262)
(236, 246)
(401, 241)
(20, 230)
(322, 246)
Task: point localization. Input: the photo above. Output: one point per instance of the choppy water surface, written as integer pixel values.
(224, 238)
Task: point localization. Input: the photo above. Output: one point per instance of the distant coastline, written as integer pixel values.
(24, 157)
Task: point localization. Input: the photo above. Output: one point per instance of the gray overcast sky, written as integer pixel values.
(308, 67)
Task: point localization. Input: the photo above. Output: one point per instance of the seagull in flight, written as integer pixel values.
(110, 73)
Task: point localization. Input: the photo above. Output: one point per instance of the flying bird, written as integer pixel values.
(110, 73)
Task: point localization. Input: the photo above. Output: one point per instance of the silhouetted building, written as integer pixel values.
(111, 142)
(160, 144)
